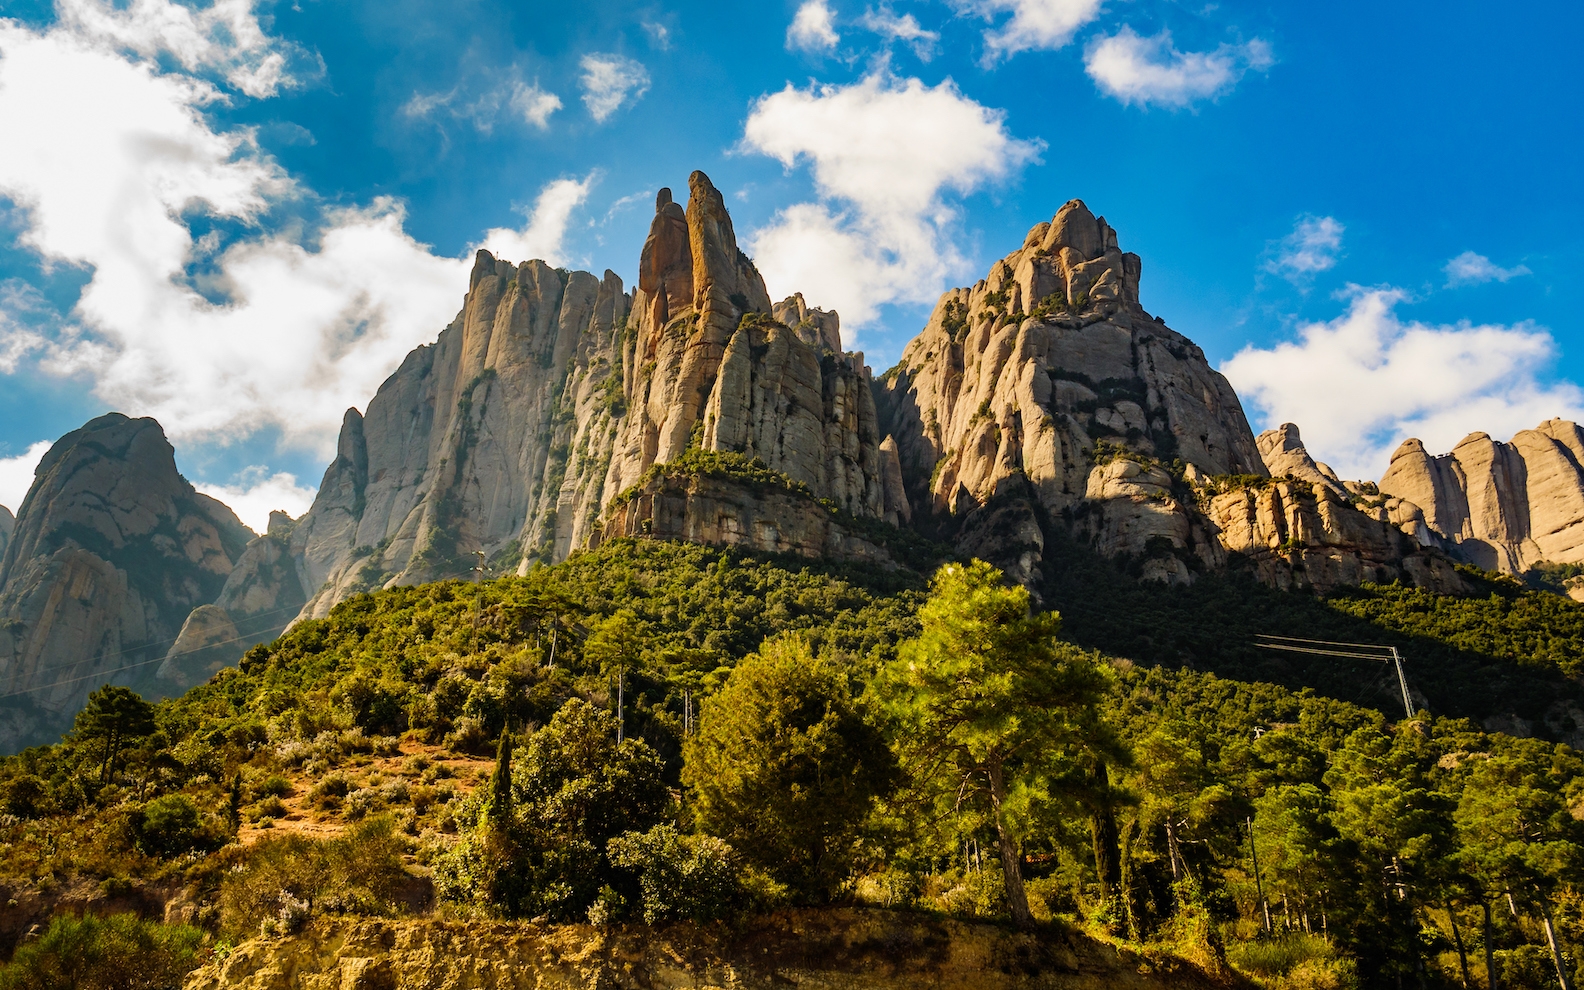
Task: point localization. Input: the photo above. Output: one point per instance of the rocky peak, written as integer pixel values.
(1284, 454)
(112, 549)
(818, 328)
(1503, 506)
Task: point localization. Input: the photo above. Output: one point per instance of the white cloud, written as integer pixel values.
(905, 28)
(223, 37)
(547, 224)
(257, 493)
(1035, 25)
(1311, 248)
(813, 28)
(659, 35)
(1141, 70)
(609, 81)
(308, 321)
(526, 101)
(534, 104)
(883, 151)
(1469, 268)
(1360, 384)
(16, 474)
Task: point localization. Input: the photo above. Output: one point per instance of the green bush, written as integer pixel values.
(169, 826)
(359, 873)
(680, 876)
(121, 952)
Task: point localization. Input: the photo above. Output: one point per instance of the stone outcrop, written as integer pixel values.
(832, 948)
(1045, 395)
(7, 526)
(1502, 506)
(112, 549)
(554, 391)
(698, 508)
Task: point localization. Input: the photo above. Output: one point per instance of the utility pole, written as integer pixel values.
(1355, 651)
(478, 598)
(621, 712)
(1259, 886)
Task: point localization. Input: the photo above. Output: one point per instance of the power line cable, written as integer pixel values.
(141, 663)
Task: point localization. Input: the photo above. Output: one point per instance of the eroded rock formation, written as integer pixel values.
(1503, 506)
(1045, 395)
(112, 549)
(554, 391)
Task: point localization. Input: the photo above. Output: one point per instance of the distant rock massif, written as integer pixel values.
(560, 409)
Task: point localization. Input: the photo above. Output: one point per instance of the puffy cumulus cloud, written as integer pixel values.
(256, 493)
(1140, 70)
(1469, 268)
(546, 229)
(291, 326)
(16, 474)
(611, 81)
(1034, 25)
(813, 28)
(904, 28)
(1360, 384)
(224, 37)
(1313, 247)
(883, 151)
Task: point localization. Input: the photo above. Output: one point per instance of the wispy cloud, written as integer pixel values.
(1363, 382)
(1142, 71)
(610, 82)
(904, 28)
(813, 28)
(1033, 25)
(513, 98)
(1469, 268)
(544, 235)
(1313, 247)
(884, 153)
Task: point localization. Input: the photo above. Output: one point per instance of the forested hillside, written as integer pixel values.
(654, 733)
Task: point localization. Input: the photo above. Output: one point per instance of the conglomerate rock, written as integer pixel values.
(1503, 506)
(112, 549)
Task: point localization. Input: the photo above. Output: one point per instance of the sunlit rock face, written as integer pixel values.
(554, 391)
(110, 552)
(1045, 395)
(1503, 506)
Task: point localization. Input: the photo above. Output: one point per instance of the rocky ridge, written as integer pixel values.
(1502, 506)
(110, 552)
(552, 392)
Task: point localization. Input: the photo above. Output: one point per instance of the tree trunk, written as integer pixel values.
(1551, 940)
(1490, 951)
(1103, 834)
(1011, 867)
(1457, 940)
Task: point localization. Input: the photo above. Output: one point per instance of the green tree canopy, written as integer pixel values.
(990, 707)
(786, 767)
(114, 715)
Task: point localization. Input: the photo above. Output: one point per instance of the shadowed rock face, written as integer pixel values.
(111, 550)
(1503, 506)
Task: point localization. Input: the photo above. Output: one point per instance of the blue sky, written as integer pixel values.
(237, 217)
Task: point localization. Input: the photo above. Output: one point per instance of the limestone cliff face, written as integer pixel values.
(1045, 395)
(554, 391)
(1503, 506)
(712, 356)
(494, 438)
(112, 549)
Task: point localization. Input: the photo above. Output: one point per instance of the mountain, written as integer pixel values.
(1503, 506)
(110, 552)
(560, 410)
